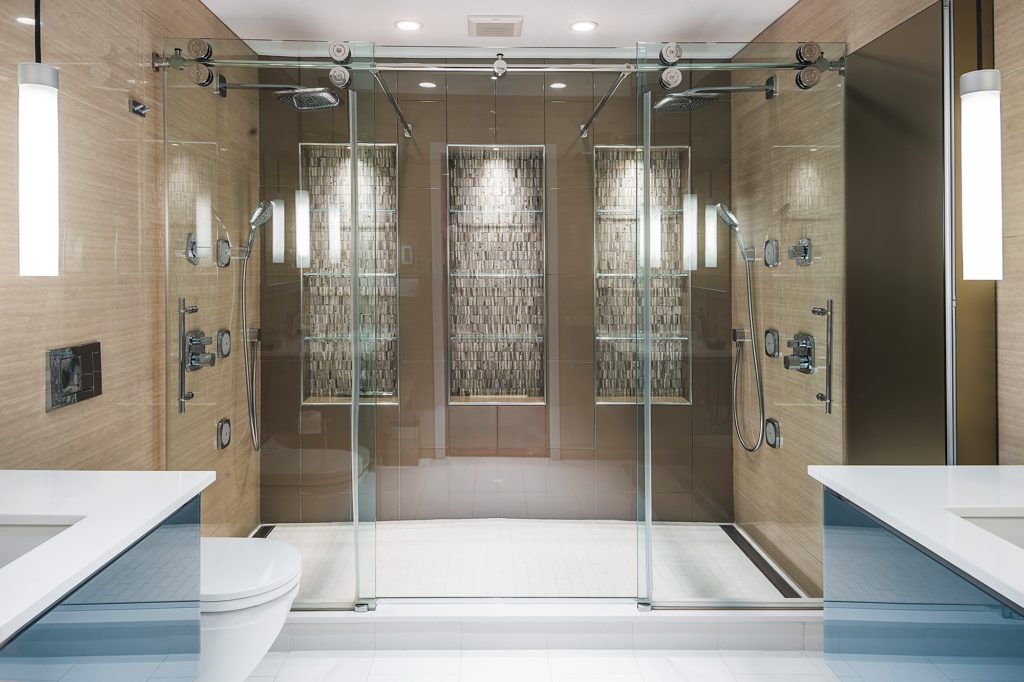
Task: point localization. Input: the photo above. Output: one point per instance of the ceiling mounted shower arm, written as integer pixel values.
(585, 128)
(406, 126)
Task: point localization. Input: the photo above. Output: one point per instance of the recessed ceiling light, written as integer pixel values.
(408, 25)
(428, 84)
(583, 26)
(557, 86)
(28, 21)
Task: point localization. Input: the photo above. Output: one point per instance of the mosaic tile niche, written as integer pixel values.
(327, 277)
(618, 189)
(496, 288)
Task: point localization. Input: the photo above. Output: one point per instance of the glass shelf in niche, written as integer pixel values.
(492, 211)
(654, 275)
(349, 274)
(374, 398)
(532, 338)
(655, 400)
(495, 275)
(332, 338)
(362, 211)
(656, 337)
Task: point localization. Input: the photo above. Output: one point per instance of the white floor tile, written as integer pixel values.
(325, 666)
(505, 666)
(417, 663)
(770, 663)
(592, 663)
(498, 557)
(688, 666)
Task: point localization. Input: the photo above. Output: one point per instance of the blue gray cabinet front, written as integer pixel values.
(136, 617)
(895, 612)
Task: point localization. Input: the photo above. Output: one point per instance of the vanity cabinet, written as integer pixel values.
(135, 618)
(893, 610)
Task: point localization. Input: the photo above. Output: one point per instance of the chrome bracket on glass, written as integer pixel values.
(801, 252)
(801, 358)
(183, 351)
(826, 397)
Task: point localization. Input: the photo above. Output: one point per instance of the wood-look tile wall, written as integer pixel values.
(1009, 21)
(111, 286)
(776, 502)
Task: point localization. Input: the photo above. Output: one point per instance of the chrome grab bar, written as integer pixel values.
(183, 353)
(826, 397)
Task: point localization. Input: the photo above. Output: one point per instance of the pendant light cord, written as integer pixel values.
(39, 35)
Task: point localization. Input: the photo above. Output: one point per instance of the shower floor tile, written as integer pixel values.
(522, 558)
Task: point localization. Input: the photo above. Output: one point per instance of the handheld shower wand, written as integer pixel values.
(739, 336)
(251, 337)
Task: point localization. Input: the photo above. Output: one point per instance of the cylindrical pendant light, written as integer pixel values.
(981, 175)
(690, 232)
(38, 167)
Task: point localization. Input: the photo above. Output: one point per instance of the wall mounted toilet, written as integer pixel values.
(247, 589)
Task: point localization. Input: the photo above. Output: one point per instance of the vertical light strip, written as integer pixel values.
(204, 225)
(710, 236)
(278, 230)
(656, 237)
(981, 175)
(334, 233)
(38, 171)
(301, 228)
(690, 232)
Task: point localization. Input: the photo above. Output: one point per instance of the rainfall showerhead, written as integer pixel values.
(696, 99)
(261, 214)
(309, 99)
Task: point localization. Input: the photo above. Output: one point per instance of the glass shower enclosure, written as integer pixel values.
(491, 312)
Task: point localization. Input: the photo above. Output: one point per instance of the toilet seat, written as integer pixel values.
(239, 573)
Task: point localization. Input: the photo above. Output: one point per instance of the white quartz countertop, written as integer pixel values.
(114, 509)
(917, 502)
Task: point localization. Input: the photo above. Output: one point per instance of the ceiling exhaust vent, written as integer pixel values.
(491, 26)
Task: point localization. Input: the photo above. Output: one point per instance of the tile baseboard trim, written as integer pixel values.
(550, 626)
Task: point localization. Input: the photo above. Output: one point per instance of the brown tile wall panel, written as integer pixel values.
(1009, 19)
(112, 277)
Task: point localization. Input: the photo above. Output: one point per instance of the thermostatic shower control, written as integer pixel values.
(771, 343)
(771, 253)
(772, 433)
(802, 357)
(801, 252)
(196, 342)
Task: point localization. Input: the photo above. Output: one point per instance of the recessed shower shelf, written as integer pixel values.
(629, 212)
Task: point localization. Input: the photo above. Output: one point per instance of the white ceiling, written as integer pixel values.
(546, 24)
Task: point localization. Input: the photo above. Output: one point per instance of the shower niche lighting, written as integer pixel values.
(327, 278)
(496, 287)
(618, 222)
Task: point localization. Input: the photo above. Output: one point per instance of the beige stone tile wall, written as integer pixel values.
(1009, 20)
(776, 502)
(111, 287)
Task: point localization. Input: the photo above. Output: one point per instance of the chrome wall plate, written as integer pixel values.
(223, 253)
(771, 343)
(801, 252)
(224, 343)
(73, 374)
(771, 253)
(223, 433)
(192, 249)
(772, 433)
